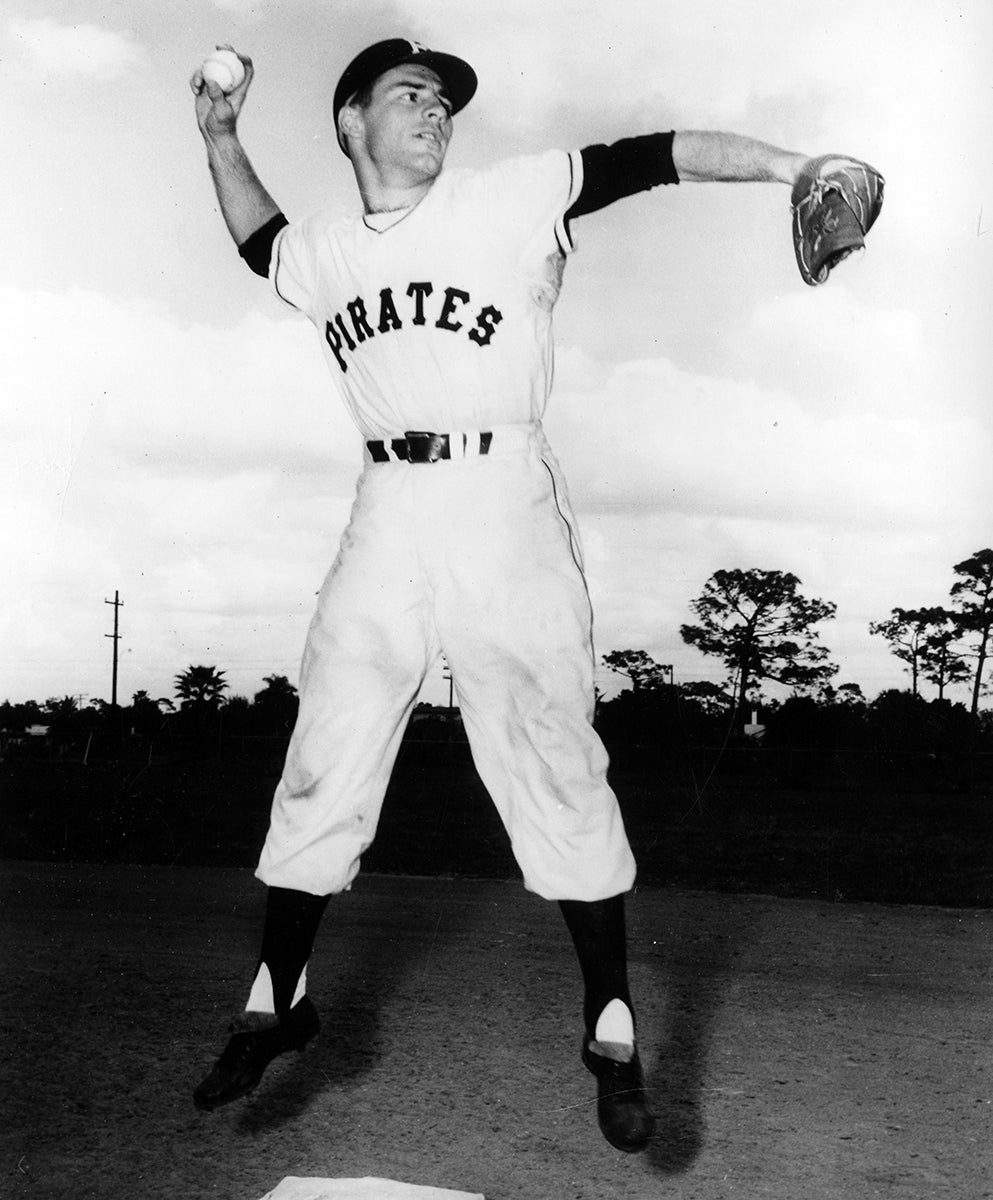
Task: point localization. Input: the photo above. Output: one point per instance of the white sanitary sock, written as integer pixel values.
(615, 1026)
(260, 998)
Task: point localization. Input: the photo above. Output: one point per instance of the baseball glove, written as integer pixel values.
(835, 201)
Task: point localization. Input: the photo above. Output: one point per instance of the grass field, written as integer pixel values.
(916, 840)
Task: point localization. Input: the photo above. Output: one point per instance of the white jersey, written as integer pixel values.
(440, 317)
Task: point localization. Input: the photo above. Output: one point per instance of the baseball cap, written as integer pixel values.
(457, 76)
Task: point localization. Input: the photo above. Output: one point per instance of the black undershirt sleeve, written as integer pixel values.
(628, 166)
(256, 249)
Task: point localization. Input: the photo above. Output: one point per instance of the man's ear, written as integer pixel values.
(350, 121)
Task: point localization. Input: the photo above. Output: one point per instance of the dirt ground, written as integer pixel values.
(796, 1049)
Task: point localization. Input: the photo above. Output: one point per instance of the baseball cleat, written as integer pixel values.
(248, 1053)
(625, 1119)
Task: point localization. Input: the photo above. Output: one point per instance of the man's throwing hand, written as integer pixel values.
(217, 110)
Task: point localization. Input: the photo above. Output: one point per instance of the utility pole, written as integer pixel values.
(117, 603)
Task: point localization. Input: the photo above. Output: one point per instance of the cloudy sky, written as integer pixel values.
(167, 430)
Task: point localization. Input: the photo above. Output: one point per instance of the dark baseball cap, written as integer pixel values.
(457, 76)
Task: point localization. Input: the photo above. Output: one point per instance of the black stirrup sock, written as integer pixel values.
(291, 922)
(599, 933)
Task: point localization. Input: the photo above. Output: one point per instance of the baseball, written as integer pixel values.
(224, 68)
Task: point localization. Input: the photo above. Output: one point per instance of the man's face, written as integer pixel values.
(408, 121)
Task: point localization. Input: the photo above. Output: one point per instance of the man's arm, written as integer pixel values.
(245, 203)
(639, 163)
(704, 157)
(835, 199)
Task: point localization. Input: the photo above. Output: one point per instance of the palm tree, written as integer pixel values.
(163, 702)
(277, 687)
(201, 686)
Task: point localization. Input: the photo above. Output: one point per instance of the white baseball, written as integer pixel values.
(224, 68)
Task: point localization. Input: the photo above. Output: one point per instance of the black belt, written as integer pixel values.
(418, 447)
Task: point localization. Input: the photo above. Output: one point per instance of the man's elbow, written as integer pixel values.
(256, 249)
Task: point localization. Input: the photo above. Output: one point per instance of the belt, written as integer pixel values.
(417, 447)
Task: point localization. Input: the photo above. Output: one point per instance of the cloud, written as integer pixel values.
(718, 414)
(675, 474)
(133, 386)
(88, 50)
(829, 345)
(205, 471)
(653, 434)
(151, 442)
(257, 10)
(708, 62)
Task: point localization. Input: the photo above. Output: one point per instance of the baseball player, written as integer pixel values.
(432, 306)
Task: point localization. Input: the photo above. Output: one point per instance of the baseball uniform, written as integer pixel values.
(436, 325)
(438, 319)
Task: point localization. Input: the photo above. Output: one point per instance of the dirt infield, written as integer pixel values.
(796, 1049)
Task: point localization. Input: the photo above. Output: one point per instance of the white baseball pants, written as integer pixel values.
(476, 558)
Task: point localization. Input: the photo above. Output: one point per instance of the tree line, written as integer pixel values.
(762, 628)
(756, 622)
(200, 707)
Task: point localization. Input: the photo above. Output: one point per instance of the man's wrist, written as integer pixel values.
(791, 167)
(224, 143)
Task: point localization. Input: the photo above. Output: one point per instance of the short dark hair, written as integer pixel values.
(363, 97)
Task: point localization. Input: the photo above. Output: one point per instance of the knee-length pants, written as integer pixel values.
(476, 558)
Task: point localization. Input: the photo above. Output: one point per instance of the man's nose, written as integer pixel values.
(435, 108)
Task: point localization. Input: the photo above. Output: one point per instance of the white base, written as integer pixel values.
(295, 1188)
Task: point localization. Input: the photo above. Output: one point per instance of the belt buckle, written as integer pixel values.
(426, 447)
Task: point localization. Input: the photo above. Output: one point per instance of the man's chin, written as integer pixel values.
(430, 160)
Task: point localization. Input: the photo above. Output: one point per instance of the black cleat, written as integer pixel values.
(248, 1053)
(625, 1119)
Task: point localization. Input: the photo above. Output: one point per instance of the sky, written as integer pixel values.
(168, 431)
